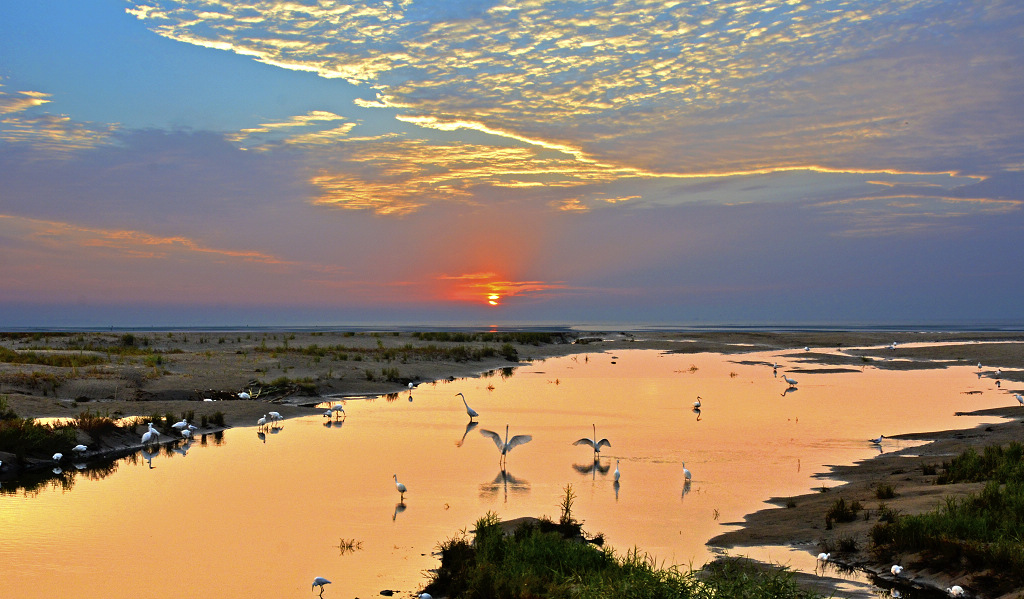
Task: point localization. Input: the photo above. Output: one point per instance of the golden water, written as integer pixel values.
(262, 516)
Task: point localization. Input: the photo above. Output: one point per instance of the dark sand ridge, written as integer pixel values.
(203, 364)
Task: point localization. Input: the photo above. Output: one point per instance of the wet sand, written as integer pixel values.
(174, 372)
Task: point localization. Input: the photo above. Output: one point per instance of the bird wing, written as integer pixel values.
(603, 443)
(519, 440)
(494, 437)
(589, 442)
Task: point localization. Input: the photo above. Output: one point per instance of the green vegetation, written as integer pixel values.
(522, 337)
(65, 360)
(545, 559)
(885, 491)
(840, 511)
(24, 437)
(979, 531)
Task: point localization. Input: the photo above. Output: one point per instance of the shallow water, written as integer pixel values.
(263, 515)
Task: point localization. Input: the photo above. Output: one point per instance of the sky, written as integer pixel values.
(461, 162)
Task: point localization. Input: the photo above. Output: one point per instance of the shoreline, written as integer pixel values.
(171, 372)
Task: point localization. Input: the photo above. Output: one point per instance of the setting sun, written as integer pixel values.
(493, 298)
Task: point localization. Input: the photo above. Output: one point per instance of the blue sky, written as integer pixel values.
(751, 161)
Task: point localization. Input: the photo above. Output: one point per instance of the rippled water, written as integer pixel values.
(263, 515)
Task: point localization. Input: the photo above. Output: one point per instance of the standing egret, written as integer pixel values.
(896, 569)
(148, 437)
(616, 471)
(338, 409)
(792, 382)
(956, 591)
(186, 434)
(508, 444)
(80, 448)
(1020, 398)
(823, 557)
(877, 441)
(275, 416)
(320, 581)
(58, 457)
(686, 472)
(822, 561)
(597, 445)
(180, 425)
(472, 413)
(401, 488)
(262, 422)
(893, 346)
(696, 404)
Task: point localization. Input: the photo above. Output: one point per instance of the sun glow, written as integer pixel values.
(493, 298)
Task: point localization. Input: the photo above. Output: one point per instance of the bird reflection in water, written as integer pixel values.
(469, 426)
(334, 423)
(504, 482)
(594, 468)
(615, 486)
(399, 508)
(697, 412)
(148, 456)
(686, 489)
(262, 436)
(790, 389)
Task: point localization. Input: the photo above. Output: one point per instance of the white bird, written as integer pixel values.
(180, 425)
(893, 346)
(823, 557)
(806, 348)
(80, 448)
(508, 444)
(686, 472)
(789, 380)
(594, 443)
(410, 385)
(401, 487)
(616, 471)
(1020, 398)
(472, 413)
(425, 596)
(979, 364)
(878, 440)
(58, 457)
(149, 437)
(896, 569)
(275, 416)
(320, 581)
(245, 395)
(696, 404)
(338, 409)
(999, 372)
(262, 422)
(956, 591)
(186, 434)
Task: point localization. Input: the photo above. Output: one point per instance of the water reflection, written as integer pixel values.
(399, 508)
(593, 468)
(469, 426)
(790, 389)
(503, 482)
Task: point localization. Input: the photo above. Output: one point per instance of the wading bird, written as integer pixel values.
(896, 569)
(616, 471)
(262, 422)
(80, 448)
(275, 416)
(319, 581)
(58, 457)
(594, 443)
(686, 472)
(180, 425)
(472, 413)
(149, 437)
(508, 444)
(877, 441)
(696, 404)
(955, 591)
(822, 561)
(789, 380)
(1020, 398)
(337, 409)
(401, 488)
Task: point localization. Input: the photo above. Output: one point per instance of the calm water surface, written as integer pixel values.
(261, 516)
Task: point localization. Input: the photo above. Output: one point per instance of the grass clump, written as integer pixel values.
(24, 437)
(885, 491)
(544, 559)
(530, 563)
(841, 511)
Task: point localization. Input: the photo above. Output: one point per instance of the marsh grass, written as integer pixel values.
(885, 491)
(841, 511)
(531, 563)
(24, 437)
(545, 559)
(983, 530)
